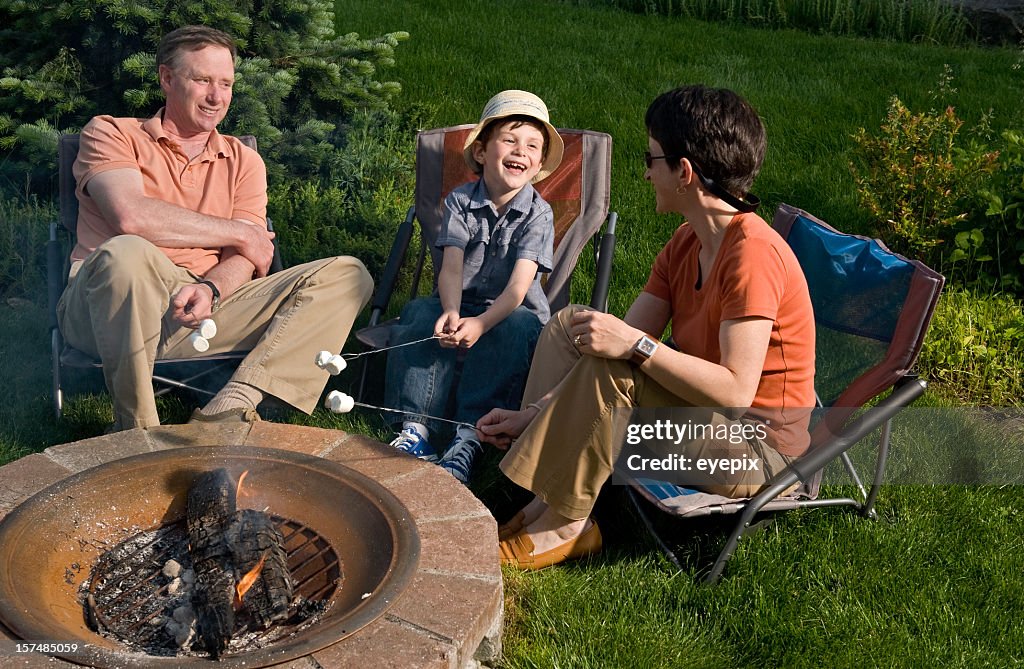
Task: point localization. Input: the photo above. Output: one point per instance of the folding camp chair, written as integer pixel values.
(578, 192)
(872, 308)
(186, 373)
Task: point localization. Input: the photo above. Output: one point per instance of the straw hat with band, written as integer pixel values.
(518, 103)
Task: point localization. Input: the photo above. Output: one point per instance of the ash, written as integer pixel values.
(139, 593)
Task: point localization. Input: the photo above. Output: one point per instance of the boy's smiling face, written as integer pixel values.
(511, 158)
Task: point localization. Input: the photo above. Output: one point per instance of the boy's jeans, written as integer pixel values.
(420, 377)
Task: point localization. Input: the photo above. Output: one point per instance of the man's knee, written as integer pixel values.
(123, 254)
(349, 273)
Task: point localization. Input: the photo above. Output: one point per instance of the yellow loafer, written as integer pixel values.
(517, 551)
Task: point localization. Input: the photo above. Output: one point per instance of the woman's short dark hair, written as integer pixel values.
(713, 127)
(191, 38)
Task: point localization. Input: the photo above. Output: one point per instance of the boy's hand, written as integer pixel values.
(445, 328)
(468, 332)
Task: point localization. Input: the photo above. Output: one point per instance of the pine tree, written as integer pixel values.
(298, 83)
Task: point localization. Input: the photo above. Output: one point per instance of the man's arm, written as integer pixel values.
(121, 199)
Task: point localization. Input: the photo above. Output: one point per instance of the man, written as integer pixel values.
(171, 230)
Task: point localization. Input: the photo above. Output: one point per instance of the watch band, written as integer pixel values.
(643, 349)
(214, 290)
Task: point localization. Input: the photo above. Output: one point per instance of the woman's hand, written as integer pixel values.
(501, 426)
(603, 335)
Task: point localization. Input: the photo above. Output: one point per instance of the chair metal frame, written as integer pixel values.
(845, 421)
(58, 263)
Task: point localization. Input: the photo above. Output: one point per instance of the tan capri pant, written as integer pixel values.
(117, 308)
(569, 449)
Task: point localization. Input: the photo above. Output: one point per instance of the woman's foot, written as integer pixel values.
(551, 539)
(525, 517)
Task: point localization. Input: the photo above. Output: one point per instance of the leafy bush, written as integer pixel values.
(1005, 217)
(298, 83)
(906, 20)
(357, 209)
(23, 233)
(975, 347)
(920, 178)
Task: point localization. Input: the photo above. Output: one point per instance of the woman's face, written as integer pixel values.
(664, 179)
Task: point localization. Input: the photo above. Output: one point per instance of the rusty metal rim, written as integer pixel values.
(23, 618)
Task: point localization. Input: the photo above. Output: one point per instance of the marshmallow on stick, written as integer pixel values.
(200, 337)
(333, 364)
(339, 402)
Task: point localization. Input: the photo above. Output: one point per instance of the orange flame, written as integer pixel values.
(248, 580)
(238, 488)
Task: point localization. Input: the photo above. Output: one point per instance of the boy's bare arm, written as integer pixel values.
(449, 289)
(518, 284)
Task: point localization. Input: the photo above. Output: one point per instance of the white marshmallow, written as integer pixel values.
(335, 365)
(199, 342)
(207, 328)
(322, 357)
(339, 402)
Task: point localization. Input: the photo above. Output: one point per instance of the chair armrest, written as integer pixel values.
(386, 286)
(605, 255)
(56, 273)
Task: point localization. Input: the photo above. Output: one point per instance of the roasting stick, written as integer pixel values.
(339, 402)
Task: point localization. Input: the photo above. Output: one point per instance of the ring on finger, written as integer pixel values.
(577, 340)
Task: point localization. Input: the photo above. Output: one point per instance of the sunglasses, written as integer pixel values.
(746, 205)
(649, 159)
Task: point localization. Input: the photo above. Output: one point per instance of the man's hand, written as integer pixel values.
(445, 327)
(257, 246)
(501, 426)
(192, 304)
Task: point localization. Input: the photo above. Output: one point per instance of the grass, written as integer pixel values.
(936, 581)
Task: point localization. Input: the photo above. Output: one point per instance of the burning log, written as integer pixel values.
(239, 560)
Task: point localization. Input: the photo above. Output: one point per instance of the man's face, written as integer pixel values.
(198, 90)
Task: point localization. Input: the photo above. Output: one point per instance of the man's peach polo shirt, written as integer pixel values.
(227, 180)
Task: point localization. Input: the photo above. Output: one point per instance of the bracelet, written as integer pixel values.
(536, 406)
(213, 289)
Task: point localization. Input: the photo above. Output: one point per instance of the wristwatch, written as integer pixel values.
(643, 349)
(213, 289)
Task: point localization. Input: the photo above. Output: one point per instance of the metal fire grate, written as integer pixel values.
(129, 597)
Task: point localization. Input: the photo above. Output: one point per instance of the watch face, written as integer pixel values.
(647, 346)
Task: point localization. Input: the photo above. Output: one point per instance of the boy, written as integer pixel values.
(497, 237)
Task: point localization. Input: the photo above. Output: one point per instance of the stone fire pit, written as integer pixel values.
(448, 616)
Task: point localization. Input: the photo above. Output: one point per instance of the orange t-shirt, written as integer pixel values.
(227, 180)
(754, 274)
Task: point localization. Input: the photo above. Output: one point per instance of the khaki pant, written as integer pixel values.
(117, 308)
(568, 451)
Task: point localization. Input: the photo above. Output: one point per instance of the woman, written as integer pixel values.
(741, 321)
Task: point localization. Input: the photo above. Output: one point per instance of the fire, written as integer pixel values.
(238, 488)
(248, 580)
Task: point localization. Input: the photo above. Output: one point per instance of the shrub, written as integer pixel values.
(357, 209)
(298, 83)
(1005, 218)
(975, 347)
(920, 178)
(23, 233)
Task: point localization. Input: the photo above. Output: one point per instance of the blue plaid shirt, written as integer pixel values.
(492, 244)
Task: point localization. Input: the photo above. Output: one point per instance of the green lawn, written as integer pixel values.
(936, 581)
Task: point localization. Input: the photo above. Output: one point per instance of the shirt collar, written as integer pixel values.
(216, 146)
(522, 201)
